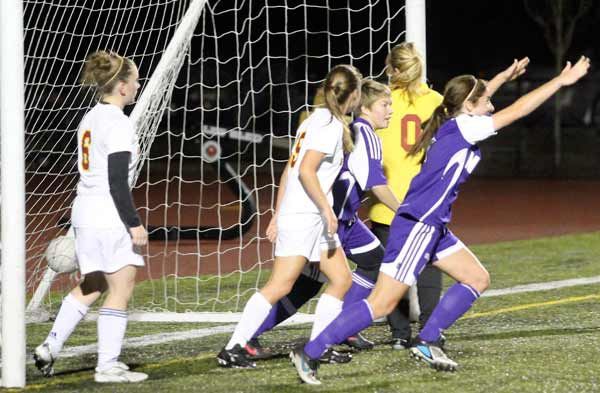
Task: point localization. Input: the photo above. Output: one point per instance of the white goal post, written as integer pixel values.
(13, 193)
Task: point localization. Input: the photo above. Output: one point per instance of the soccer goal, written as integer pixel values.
(224, 84)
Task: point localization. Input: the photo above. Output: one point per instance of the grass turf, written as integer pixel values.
(530, 342)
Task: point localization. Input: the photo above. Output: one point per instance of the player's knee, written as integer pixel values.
(123, 292)
(481, 281)
(381, 305)
(340, 284)
(276, 290)
(343, 280)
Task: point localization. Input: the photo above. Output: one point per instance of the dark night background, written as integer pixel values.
(471, 36)
(467, 36)
(247, 90)
(481, 37)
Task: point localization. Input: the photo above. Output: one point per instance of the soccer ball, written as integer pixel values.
(60, 254)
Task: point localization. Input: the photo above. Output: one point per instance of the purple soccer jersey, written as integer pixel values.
(450, 160)
(362, 169)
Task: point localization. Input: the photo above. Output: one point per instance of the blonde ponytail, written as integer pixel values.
(405, 68)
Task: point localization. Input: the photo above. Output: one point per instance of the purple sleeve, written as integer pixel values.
(365, 161)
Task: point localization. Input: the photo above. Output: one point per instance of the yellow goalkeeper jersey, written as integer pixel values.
(397, 139)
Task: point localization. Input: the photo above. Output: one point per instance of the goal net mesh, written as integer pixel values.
(214, 141)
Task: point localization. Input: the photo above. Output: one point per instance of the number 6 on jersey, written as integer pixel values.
(86, 141)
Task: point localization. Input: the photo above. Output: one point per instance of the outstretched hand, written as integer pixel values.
(571, 74)
(516, 69)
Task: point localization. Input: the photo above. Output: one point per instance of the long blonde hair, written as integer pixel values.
(339, 84)
(456, 92)
(405, 68)
(104, 70)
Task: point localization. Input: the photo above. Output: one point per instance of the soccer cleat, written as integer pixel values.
(432, 355)
(305, 366)
(235, 357)
(359, 342)
(118, 373)
(400, 344)
(44, 360)
(335, 357)
(254, 350)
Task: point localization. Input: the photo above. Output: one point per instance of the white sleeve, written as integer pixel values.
(358, 162)
(475, 128)
(120, 136)
(324, 137)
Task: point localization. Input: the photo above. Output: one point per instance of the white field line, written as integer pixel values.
(542, 286)
(161, 338)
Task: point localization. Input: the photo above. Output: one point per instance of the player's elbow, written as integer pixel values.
(305, 173)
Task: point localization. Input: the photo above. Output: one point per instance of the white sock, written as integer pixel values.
(328, 308)
(70, 313)
(254, 315)
(111, 331)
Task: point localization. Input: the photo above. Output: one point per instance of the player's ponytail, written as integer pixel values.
(457, 91)
(405, 67)
(339, 84)
(104, 69)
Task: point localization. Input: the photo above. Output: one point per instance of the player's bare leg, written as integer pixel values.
(112, 323)
(472, 279)
(74, 307)
(283, 276)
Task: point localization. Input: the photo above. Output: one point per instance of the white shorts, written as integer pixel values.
(304, 235)
(105, 249)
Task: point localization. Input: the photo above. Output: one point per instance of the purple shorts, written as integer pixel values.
(412, 245)
(356, 237)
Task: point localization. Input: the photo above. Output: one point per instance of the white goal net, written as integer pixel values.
(217, 128)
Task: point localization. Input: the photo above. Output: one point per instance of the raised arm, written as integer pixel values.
(530, 101)
(516, 69)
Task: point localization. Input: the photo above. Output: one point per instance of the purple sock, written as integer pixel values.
(271, 321)
(457, 300)
(361, 288)
(351, 320)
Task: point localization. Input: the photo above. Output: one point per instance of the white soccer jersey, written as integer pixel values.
(321, 132)
(104, 130)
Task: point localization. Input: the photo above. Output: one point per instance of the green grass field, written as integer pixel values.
(545, 341)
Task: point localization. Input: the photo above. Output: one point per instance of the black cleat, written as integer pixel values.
(255, 351)
(44, 360)
(335, 357)
(235, 357)
(359, 342)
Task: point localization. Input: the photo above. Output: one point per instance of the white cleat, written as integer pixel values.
(119, 373)
(44, 360)
(432, 355)
(306, 367)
